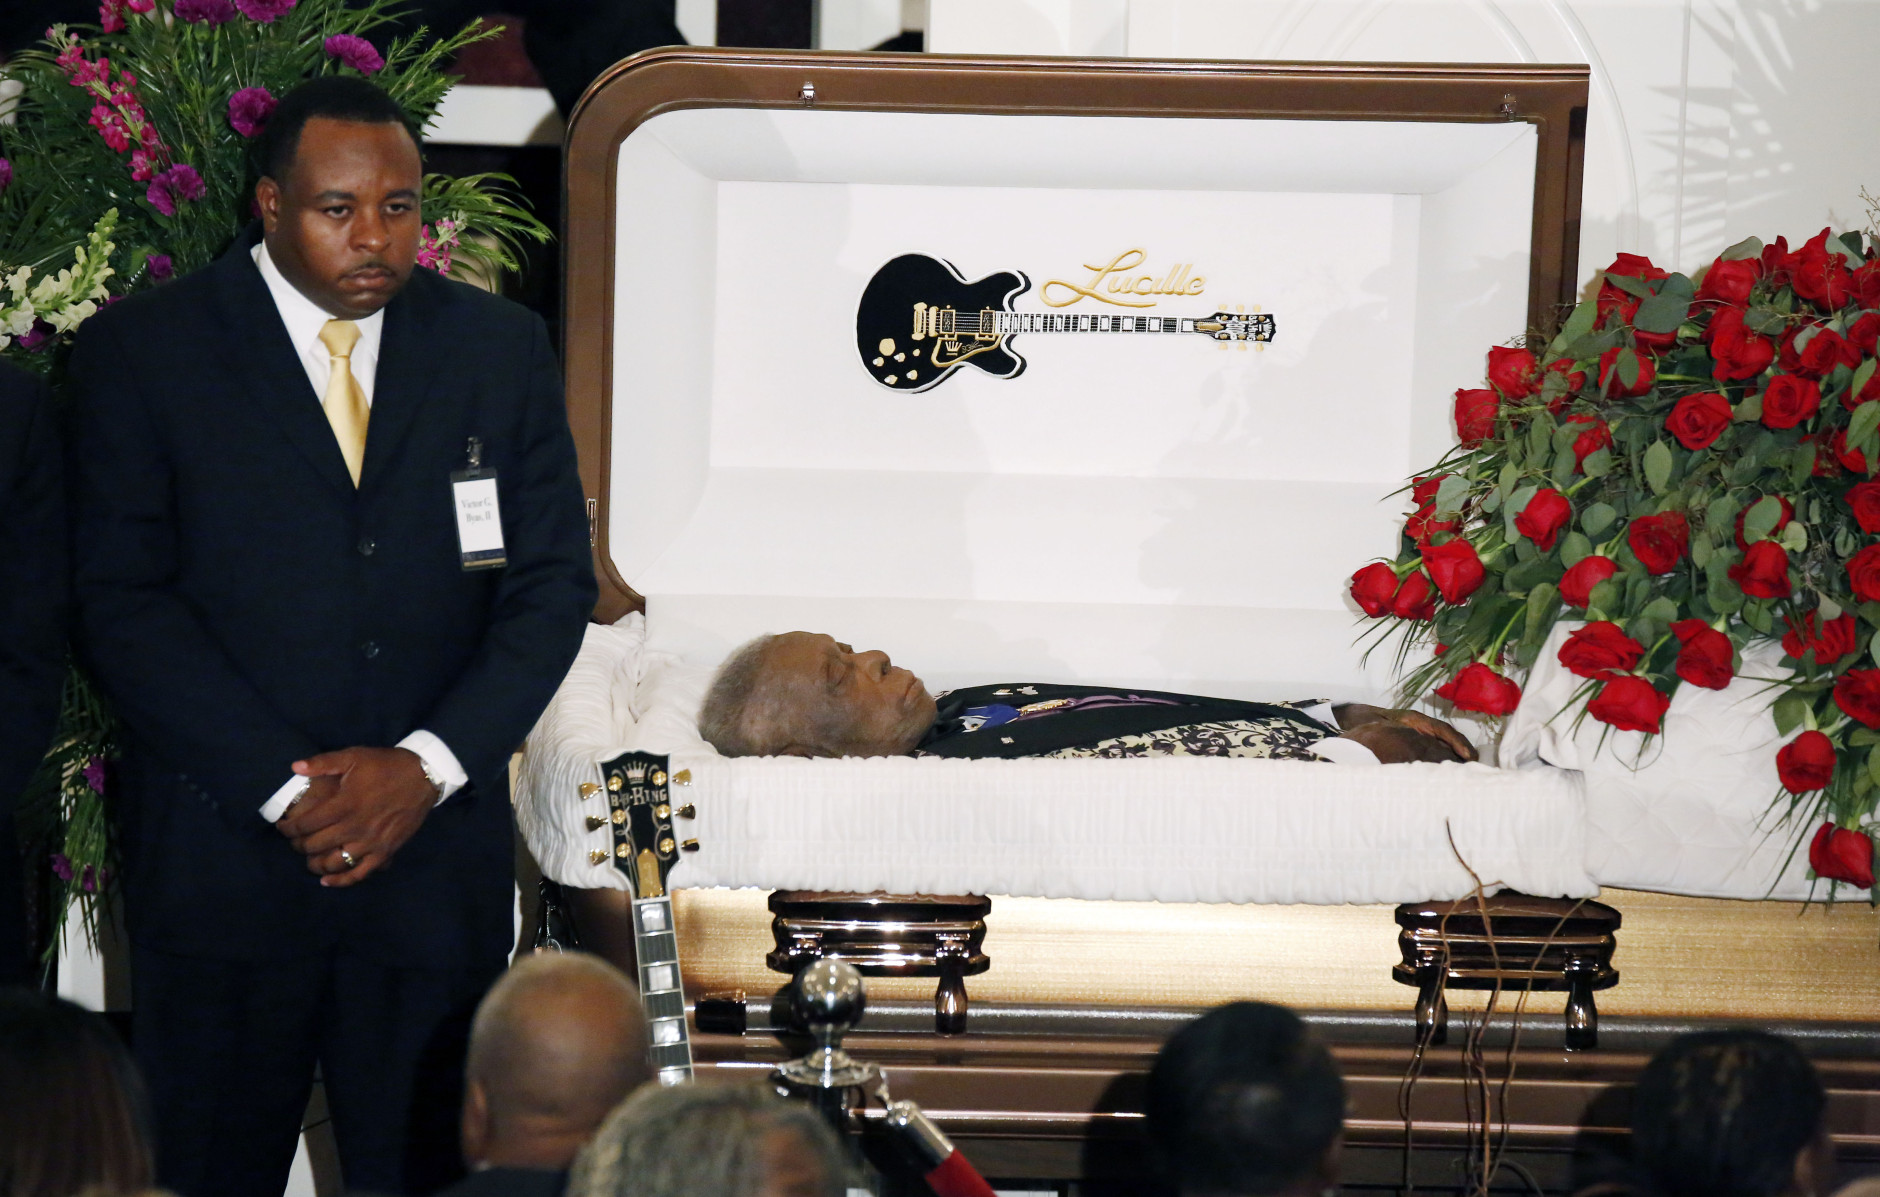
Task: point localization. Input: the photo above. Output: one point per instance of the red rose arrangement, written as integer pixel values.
(1683, 469)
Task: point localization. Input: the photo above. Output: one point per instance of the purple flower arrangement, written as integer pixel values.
(205, 12)
(249, 110)
(173, 185)
(355, 52)
(265, 12)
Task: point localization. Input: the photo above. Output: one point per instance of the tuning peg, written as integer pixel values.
(689, 846)
(659, 778)
(597, 857)
(688, 811)
(682, 778)
(622, 851)
(595, 822)
(662, 811)
(665, 845)
(588, 790)
(614, 783)
(619, 816)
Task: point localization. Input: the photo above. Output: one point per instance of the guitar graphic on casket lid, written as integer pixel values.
(920, 320)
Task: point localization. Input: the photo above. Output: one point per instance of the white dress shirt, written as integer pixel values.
(1337, 749)
(304, 320)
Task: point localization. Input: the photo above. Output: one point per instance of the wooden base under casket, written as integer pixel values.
(1046, 1082)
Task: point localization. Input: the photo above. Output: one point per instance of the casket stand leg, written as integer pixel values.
(887, 935)
(1513, 942)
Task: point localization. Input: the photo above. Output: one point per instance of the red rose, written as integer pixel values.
(1863, 574)
(1479, 688)
(1543, 517)
(1629, 704)
(1576, 379)
(1415, 599)
(1424, 525)
(1821, 277)
(1455, 568)
(1654, 343)
(1597, 436)
(1475, 416)
(1838, 854)
(1764, 571)
(1658, 541)
(1601, 650)
(1705, 660)
(1513, 372)
(1777, 261)
(1576, 588)
(1807, 763)
(1373, 587)
(1736, 352)
(1612, 299)
(1864, 498)
(1613, 383)
(1423, 490)
(1864, 333)
(1789, 400)
(1731, 281)
(1857, 693)
(1698, 420)
(1851, 460)
(1834, 640)
(1824, 351)
(1865, 284)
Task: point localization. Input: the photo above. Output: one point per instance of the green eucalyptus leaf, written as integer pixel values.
(1723, 595)
(1870, 614)
(1662, 609)
(1860, 428)
(1862, 375)
(1788, 712)
(1756, 615)
(1863, 737)
(1543, 607)
(1626, 365)
(1749, 409)
(1761, 519)
(1748, 247)
(1565, 466)
(1598, 516)
(1801, 465)
(1701, 549)
(1577, 325)
(1794, 537)
(1492, 502)
(1720, 515)
(1764, 320)
(1517, 503)
(1658, 467)
(1598, 463)
(1452, 493)
(1574, 548)
(1844, 543)
(1630, 285)
(1666, 310)
(1873, 765)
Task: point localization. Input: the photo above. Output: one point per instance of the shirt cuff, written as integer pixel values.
(1341, 751)
(1321, 711)
(276, 806)
(439, 758)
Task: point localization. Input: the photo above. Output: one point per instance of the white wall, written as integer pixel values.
(1710, 120)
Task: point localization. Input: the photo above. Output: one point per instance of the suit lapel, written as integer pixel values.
(275, 377)
(403, 381)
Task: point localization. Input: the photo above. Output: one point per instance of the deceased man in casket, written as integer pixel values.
(805, 694)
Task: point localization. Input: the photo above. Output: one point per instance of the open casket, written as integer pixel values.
(1148, 493)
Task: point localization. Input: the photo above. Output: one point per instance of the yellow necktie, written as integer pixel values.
(345, 403)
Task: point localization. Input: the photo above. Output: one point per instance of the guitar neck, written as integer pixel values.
(1012, 323)
(657, 948)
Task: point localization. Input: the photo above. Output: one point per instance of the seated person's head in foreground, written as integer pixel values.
(73, 1115)
(708, 1140)
(558, 1041)
(1245, 1101)
(1734, 1113)
(806, 694)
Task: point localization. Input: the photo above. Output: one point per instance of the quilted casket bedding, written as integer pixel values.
(1174, 830)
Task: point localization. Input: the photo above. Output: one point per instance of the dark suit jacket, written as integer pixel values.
(1077, 728)
(33, 594)
(244, 606)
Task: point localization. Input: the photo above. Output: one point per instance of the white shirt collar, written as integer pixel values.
(304, 320)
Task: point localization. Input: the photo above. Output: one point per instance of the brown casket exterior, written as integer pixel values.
(1030, 1091)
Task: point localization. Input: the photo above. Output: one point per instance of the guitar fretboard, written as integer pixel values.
(658, 949)
(1046, 322)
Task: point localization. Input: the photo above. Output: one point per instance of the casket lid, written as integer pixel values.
(1142, 512)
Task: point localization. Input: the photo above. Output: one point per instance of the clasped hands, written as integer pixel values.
(362, 803)
(1398, 736)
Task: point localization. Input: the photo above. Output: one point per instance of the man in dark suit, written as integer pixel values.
(321, 684)
(32, 623)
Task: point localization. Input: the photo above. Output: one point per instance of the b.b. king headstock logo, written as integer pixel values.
(919, 319)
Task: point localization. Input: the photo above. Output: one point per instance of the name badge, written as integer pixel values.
(479, 513)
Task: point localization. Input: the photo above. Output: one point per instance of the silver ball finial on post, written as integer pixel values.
(829, 999)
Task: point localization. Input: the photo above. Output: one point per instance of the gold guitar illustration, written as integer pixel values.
(920, 320)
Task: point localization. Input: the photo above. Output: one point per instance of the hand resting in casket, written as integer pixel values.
(807, 694)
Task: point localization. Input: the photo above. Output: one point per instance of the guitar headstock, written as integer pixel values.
(640, 818)
(1238, 326)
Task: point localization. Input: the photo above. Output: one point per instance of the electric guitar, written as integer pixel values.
(919, 320)
(640, 815)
